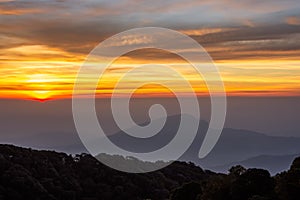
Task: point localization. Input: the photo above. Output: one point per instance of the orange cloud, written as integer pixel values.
(293, 20)
(16, 11)
(204, 31)
(40, 54)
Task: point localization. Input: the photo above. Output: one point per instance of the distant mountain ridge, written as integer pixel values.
(233, 146)
(273, 163)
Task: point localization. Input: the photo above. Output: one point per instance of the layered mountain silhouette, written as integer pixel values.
(234, 146)
(274, 163)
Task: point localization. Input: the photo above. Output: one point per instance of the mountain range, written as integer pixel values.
(235, 146)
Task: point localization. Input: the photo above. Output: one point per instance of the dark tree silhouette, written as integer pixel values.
(236, 171)
(189, 191)
(288, 183)
(253, 183)
(39, 175)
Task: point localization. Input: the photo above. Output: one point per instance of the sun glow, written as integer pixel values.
(40, 85)
(41, 95)
(41, 78)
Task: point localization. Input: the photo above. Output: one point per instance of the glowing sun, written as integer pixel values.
(40, 86)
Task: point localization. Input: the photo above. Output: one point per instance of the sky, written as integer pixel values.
(43, 43)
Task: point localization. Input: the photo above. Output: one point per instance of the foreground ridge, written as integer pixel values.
(32, 174)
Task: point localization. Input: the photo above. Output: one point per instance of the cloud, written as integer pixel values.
(53, 37)
(21, 7)
(293, 20)
(204, 31)
(4, 11)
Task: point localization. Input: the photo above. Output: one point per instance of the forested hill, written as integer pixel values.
(32, 174)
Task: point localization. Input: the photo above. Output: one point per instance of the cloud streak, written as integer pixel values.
(52, 38)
